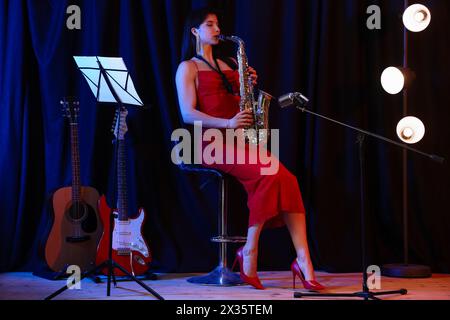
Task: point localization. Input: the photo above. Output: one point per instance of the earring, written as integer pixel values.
(198, 45)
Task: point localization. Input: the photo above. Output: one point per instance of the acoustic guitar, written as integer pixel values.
(76, 229)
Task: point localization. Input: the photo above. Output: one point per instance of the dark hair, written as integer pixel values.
(188, 48)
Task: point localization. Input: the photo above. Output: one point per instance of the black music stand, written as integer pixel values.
(300, 102)
(110, 81)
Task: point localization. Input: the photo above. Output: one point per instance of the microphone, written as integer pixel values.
(293, 98)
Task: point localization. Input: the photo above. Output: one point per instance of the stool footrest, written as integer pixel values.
(229, 239)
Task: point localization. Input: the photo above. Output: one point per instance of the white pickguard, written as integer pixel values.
(127, 234)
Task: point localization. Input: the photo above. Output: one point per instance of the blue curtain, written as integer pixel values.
(321, 48)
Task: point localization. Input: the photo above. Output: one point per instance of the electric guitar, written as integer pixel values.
(76, 229)
(129, 248)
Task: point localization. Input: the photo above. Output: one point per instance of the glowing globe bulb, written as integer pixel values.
(410, 130)
(416, 18)
(392, 80)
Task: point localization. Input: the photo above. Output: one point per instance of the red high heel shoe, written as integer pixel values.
(253, 281)
(309, 285)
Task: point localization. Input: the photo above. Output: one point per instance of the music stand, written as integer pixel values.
(300, 103)
(110, 82)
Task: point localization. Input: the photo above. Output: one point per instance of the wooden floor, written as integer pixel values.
(25, 286)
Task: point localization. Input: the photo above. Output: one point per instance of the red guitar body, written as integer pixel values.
(130, 250)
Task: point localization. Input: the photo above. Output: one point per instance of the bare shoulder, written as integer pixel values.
(187, 68)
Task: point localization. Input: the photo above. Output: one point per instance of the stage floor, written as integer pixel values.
(25, 286)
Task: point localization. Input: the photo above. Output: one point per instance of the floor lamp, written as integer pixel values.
(416, 18)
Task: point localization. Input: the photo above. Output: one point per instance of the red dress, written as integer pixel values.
(268, 195)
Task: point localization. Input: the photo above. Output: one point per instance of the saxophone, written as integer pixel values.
(258, 133)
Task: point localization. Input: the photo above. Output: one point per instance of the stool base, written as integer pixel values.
(220, 276)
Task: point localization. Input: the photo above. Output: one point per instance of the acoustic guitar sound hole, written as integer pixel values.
(83, 213)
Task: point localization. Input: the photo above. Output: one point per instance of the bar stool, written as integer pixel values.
(221, 275)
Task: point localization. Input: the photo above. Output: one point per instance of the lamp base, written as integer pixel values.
(405, 271)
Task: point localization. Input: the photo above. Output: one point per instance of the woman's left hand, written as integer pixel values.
(253, 76)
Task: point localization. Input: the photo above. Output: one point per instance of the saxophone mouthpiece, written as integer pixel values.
(222, 37)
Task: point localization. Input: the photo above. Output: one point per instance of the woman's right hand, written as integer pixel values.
(241, 120)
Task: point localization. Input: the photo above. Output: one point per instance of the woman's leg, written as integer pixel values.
(251, 250)
(296, 224)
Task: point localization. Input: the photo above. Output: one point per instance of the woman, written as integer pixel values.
(208, 87)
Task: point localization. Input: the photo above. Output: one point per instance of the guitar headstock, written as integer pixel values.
(120, 124)
(70, 109)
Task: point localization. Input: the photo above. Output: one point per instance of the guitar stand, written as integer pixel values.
(111, 265)
(146, 276)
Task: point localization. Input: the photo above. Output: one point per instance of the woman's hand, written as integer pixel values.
(253, 75)
(241, 120)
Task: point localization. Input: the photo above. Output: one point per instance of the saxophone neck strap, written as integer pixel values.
(225, 81)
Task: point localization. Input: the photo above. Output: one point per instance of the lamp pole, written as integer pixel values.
(405, 152)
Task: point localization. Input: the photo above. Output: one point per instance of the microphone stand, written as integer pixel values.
(366, 294)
